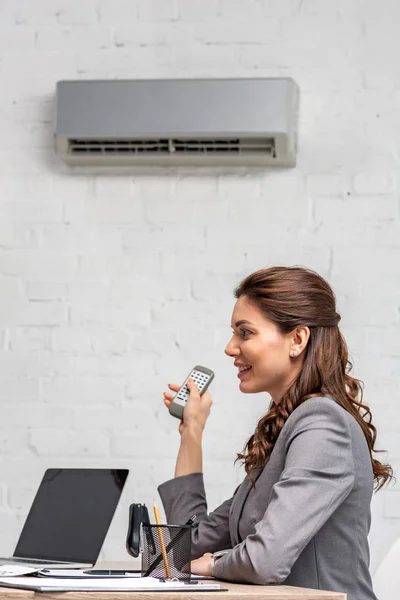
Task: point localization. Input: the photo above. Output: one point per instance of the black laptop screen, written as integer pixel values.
(71, 514)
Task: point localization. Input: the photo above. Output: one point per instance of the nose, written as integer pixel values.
(231, 348)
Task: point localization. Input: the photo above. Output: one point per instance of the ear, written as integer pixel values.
(298, 341)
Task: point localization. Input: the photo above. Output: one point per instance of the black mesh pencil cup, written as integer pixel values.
(166, 551)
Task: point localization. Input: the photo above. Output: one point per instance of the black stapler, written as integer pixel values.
(138, 514)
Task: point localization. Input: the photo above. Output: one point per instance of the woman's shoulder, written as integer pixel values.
(318, 411)
(318, 404)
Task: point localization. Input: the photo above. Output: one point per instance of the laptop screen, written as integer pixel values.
(71, 514)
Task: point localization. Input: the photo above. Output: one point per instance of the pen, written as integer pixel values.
(109, 572)
(169, 547)
(105, 572)
(162, 543)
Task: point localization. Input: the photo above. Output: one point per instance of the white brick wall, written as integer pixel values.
(112, 286)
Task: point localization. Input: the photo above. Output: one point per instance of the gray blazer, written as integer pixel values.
(306, 521)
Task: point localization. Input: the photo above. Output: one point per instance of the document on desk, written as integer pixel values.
(129, 584)
(16, 570)
(95, 574)
(88, 573)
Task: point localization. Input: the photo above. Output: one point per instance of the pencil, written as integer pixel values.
(171, 544)
(162, 543)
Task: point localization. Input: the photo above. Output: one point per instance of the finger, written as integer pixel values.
(167, 402)
(206, 397)
(168, 396)
(174, 387)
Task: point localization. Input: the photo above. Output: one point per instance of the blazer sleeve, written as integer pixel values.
(317, 477)
(184, 497)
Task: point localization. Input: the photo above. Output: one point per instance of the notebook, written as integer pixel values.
(69, 518)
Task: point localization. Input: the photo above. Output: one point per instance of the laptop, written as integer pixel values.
(69, 518)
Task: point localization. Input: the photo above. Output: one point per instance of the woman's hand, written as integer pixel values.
(202, 565)
(168, 399)
(197, 407)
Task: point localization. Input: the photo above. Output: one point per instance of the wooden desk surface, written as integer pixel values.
(235, 591)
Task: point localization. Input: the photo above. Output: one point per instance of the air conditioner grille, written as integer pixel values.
(171, 146)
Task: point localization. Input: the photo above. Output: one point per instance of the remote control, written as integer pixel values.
(202, 377)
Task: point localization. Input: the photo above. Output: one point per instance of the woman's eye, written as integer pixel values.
(245, 332)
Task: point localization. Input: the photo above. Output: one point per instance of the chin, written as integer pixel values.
(248, 388)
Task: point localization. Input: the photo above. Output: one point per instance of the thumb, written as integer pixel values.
(192, 387)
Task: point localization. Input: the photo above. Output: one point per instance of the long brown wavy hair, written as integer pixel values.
(297, 297)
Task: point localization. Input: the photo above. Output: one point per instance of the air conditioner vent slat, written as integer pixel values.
(170, 146)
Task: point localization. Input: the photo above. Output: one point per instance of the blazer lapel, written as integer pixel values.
(238, 503)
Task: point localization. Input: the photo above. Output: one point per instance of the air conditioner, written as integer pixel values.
(205, 122)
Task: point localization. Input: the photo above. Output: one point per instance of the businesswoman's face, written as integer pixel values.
(261, 352)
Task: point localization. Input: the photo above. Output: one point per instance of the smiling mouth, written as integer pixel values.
(243, 372)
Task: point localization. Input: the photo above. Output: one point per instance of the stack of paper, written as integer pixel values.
(140, 584)
(87, 573)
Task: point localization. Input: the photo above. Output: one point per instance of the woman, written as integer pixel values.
(302, 514)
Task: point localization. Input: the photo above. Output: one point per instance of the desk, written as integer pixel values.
(235, 591)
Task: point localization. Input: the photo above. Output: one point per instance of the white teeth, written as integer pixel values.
(243, 369)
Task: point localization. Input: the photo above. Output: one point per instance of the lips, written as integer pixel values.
(243, 371)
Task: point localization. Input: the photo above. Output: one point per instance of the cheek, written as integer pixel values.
(273, 355)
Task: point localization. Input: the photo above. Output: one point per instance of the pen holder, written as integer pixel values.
(166, 551)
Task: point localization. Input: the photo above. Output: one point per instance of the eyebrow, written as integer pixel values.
(242, 322)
